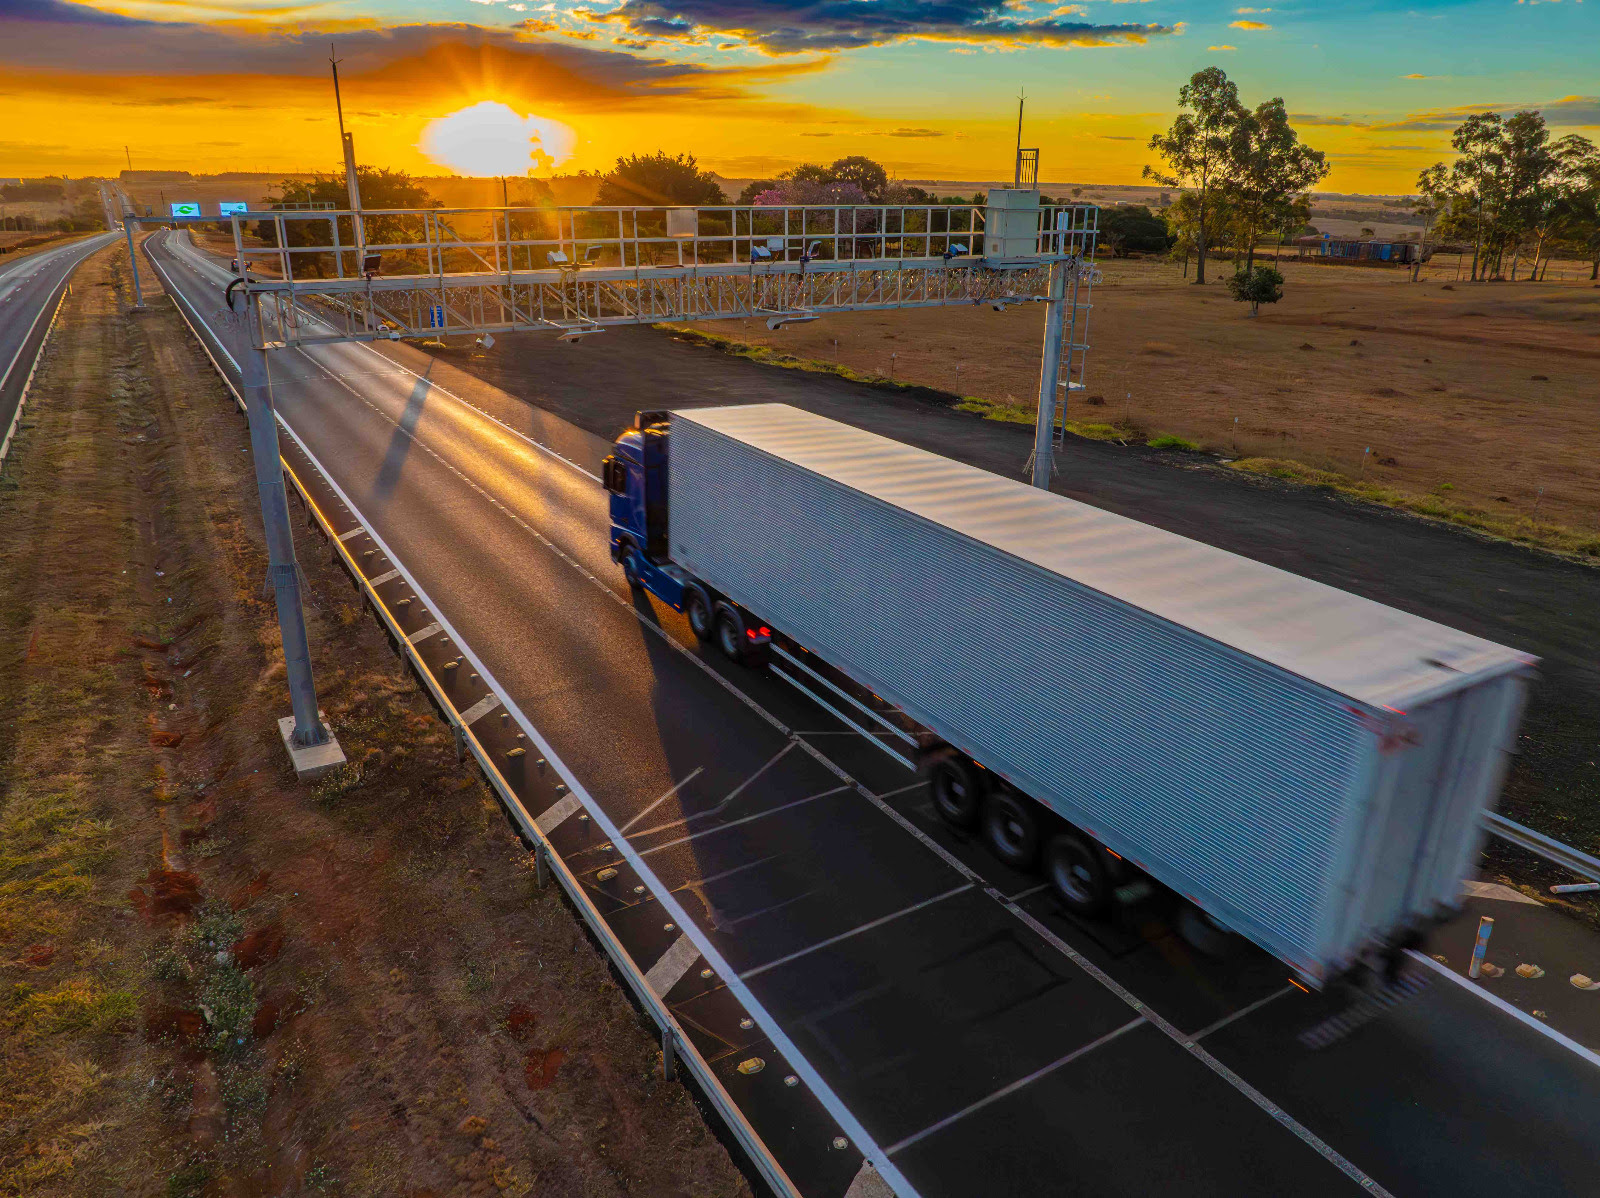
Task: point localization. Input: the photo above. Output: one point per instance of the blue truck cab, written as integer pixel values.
(635, 474)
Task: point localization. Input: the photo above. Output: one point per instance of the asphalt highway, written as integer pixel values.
(965, 1035)
(29, 288)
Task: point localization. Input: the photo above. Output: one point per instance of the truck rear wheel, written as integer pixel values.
(702, 616)
(957, 793)
(730, 633)
(1077, 873)
(1011, 828)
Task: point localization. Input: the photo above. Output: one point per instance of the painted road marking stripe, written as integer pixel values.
(354, 532)
(866, 927)
(480, 709)
(557, 811)
(724, 827)
(389, 576)
(1240, 1014)
(1013, 1087)
(674, 963)
(423, 634)
(676, 786)
(1522, 1017)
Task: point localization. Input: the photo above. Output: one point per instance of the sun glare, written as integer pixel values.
(490, 138)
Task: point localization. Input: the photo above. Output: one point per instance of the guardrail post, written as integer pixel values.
(669, 1054)
(461, 742)
(540, 869)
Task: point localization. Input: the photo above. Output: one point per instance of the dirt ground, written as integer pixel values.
(214, 980)
(1481, 394)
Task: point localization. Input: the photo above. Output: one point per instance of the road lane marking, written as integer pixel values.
(842, 718)
(390, 576)
(673, 964)
(480, 709)
(423, 634)
(354, 532)
(1522, 1017)
(557, 812)
(856, 931)
(1240, 1014)
(1012, 1088)
(724, 827)
(672, 790)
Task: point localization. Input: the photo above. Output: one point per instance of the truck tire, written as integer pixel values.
(630, 569)
(1205, 935)
(702, 614)
(957, 792)
(1010, 828)
(730, 633)
(1076, 871)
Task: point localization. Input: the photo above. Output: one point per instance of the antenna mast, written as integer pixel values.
(347, 144)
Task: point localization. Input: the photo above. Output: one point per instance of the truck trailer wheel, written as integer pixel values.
(702, 616)
(730, 633)
(957, 793)
(1077, 873)
(1011, 828)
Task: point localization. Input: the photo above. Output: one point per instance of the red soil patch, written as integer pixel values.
(172, 892)
(542, 1066)
(263, 944)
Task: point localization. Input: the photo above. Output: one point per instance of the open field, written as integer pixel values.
(1476, 396)
(215, 980)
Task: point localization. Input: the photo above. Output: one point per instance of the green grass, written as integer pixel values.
(1168, 441)
(772, 357)
(1521, 529)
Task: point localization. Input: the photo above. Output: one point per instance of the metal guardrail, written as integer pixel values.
(676, 1045)
(1544, 846)
(38, 356)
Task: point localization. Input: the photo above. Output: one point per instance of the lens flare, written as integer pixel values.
(490, 138)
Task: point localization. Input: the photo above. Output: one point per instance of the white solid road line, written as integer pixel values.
(733, 823)
(672, 790)
(1013, 1087)
(480, 709)
(856, 931)
(1522, 1017)
(669, 969)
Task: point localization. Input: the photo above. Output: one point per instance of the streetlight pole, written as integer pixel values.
(311, 746)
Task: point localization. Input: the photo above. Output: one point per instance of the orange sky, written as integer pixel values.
(222, 86)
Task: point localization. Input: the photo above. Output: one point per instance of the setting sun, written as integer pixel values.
(490, 138)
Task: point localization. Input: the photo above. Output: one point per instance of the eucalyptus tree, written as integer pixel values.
(1270, 169)
(1199, 150)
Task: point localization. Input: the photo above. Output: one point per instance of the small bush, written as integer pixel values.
(1168, 441)
(1262, 285)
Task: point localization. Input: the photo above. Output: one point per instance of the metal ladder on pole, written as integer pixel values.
(1079, 239)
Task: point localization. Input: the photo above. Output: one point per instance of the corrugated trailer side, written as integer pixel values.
(1245, 786)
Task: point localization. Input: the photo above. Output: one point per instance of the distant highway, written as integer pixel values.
(786, 890)
(30, 286)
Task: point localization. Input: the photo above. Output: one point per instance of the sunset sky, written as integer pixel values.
(927, 87)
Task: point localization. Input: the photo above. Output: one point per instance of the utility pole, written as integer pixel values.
(1049, 373)
(311, 746)
(352, 184)
(129, 153)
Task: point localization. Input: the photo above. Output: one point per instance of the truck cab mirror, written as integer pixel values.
(614, 475)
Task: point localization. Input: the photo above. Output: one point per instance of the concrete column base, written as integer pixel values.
(312, 761)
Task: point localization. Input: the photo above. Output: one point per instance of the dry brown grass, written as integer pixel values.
(1487, 389)
(218, 981)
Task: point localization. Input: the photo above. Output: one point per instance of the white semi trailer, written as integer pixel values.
(1093, 695)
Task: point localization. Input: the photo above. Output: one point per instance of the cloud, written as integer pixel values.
(1249, 10)
(1248, 25)
(1312, 118)
(1419, 76)
(1070, 10)
(798, 26)
(917, 133)
(65, 49)
(1222, 47)
(1119, 137)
